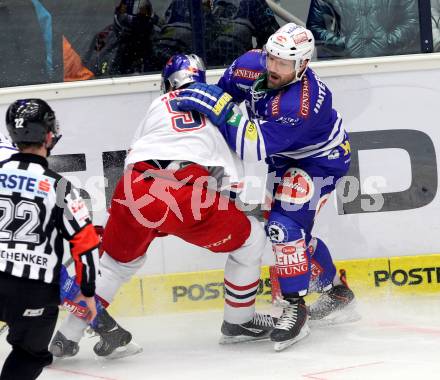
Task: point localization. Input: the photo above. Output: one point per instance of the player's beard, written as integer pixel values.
(275, 81)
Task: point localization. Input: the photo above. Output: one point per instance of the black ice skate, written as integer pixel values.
(112, 335)
(336, 305)
(292, 325)
(61, 347)
(259, 327)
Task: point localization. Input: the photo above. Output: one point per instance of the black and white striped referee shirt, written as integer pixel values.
(38, 209)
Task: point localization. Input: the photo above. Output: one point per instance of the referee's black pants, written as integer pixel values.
(30, 308)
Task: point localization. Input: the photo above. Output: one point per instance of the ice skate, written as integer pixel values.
(292, 325)
(61, 347)
(336, 305)
(258, 328)
(115, 341)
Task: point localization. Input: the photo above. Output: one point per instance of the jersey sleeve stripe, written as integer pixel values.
(242, 144)
(251, 143)
(262, 154)
(240, 137)
(250, 150)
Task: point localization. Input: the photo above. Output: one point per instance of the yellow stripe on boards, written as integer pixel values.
(198, 291)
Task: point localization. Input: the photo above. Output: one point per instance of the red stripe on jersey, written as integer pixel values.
(244, 287)
(237, 304)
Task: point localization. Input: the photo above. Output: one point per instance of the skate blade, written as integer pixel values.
(130, 349)
(224, 339)
(280, 346)
(348, 314)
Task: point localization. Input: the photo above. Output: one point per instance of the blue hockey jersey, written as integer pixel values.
(293, 122)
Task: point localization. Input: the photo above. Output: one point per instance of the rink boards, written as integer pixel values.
(388, 207)
(184, 292)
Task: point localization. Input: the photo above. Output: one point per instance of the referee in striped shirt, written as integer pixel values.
(38, 210)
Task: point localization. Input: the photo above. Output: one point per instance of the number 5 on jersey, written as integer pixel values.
(184, 121)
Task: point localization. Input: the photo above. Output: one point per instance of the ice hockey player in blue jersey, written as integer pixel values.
(291, 124)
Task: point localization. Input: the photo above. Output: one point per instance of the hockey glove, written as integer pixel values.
(208, 99)
(71, 300)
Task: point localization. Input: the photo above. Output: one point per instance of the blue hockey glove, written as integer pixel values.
(69, 289)
(208, 99)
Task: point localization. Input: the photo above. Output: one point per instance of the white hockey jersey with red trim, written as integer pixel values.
(166, 133)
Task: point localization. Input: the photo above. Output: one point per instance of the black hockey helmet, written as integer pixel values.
(29, 121)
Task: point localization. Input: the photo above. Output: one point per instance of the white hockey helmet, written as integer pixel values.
(293, 43)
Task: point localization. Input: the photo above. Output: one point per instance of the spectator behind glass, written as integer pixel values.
(435, 14)
(230, 26)
(125, 47)
(237, 22)
(33, 47)
(25, 50)
(175, 36)
(354, 29)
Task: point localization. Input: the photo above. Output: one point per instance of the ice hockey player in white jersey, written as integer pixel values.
(7, 149)
(170, 164)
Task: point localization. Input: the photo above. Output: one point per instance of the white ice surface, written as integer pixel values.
(397, 339)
